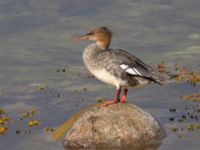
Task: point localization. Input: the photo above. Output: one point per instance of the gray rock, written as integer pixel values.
(123, 126)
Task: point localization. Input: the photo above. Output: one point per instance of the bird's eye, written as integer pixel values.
(90, 33)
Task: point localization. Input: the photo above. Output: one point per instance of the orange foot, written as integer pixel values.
(107, 103)
(123, 99)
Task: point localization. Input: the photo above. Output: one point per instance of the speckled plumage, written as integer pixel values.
(115, 66)
(97, 59)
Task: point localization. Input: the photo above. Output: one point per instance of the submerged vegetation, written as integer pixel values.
(181, 74)
(186, 119)
(191, 97)
(183, 120)
(4, 121)
(24, 124)
(184, 74)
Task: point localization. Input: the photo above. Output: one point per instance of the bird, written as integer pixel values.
(116, 67)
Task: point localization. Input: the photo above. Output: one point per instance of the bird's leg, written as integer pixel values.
(116, 100)
(123, 99)
(117, 97)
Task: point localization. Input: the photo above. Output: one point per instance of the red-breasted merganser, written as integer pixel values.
(115, 66)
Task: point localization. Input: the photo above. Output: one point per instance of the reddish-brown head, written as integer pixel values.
(102, 36)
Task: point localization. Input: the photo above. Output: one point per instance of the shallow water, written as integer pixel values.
(35, 39)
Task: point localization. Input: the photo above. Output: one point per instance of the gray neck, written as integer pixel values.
(92, 49)
(90, 52)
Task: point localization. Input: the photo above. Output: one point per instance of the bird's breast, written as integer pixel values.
(109, 78)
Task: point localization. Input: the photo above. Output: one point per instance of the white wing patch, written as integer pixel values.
(129, 70)
(124, 67)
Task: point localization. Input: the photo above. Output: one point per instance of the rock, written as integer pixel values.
(115, 126)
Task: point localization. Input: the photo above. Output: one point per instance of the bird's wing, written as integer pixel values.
(124, 62)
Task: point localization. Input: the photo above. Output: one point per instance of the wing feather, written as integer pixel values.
(122, 63)
(132, 65)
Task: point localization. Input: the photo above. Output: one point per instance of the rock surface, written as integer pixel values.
(116, 126)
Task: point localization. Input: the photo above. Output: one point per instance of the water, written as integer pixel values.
(35, 39)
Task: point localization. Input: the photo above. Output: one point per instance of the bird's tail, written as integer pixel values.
(166, 77)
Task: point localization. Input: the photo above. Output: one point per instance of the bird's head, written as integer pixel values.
(101, 35)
